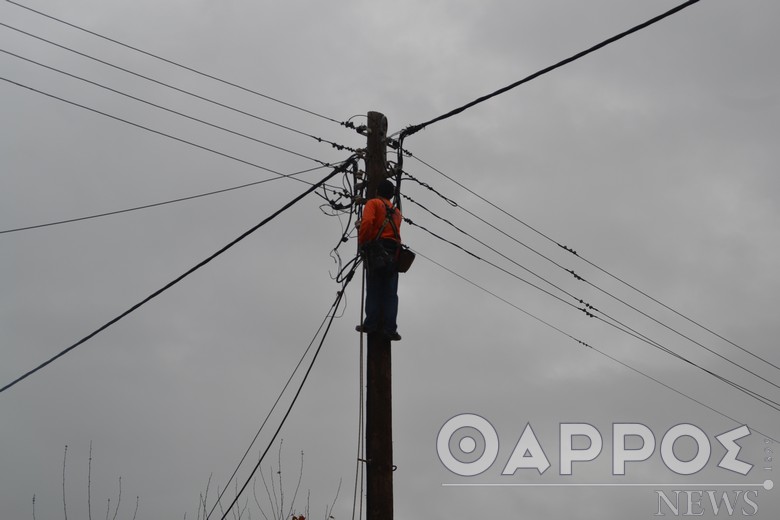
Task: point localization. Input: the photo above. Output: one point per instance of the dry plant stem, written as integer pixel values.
(268, 494)
(276, 498)
(64, 503)
(329, 511)
(254, 493)
(297, 487)
(281, 488)
(119, 500)
(89, 484)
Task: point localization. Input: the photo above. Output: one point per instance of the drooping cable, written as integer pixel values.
(775, 405)
(488, 246)
(156, 204)
(181, 90)
(584, 344)
(181, 277)
(166, 109)
(172, 62)
(329, 314)
(590, 307)
(332, 315)
(590, 311)
(416, 128)
(492, 264)
(582, 258)
(148, 129)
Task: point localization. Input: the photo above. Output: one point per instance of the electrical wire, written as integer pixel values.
(148, 129)
(589, 311)
(177, 89)
(171, 62)
(181, 277)
(332, 315)
(357, 497)
(416, 128)
(482, 243)
(331, 312)
(576, 254)
(156, 204)
(590, 307)
(166, 109)
(584, 344)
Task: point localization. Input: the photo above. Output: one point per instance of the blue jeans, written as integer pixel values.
(382, 300)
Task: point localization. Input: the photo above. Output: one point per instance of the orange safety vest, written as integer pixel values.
(374, 215)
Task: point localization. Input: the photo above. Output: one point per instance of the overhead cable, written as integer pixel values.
(166, 109)
(156, 204)
(584, 344)
(331, 316)
(582, 258)
(172, 62)
(335, 171)
(591, 311)
(579, 278)
(177, 89)
(331, 312)
(416, 128)
(148, 129)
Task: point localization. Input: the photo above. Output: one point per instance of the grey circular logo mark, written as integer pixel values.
(475, 462)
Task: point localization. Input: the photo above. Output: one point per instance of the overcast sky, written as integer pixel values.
(654, 158)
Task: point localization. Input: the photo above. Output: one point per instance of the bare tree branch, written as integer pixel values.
(297, 486)
(254, 493)
(119, 500)
(89, 484)
(328, 512)
(64, 504)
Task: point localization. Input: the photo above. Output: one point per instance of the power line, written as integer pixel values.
(191, 118)
(177, 89)
(580, 342)
(332, 315)
(171, 62)
(482, 243)
(156, 204)
(335, 171)
(576, 276)
(589, 311)
(169, 136)
(586, 310)
(416, 128)
(576, 254)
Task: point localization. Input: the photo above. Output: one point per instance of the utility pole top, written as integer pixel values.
(376, 152)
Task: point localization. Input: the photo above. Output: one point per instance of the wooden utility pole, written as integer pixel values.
(379, 414)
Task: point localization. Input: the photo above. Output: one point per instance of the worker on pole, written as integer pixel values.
(380, 242)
